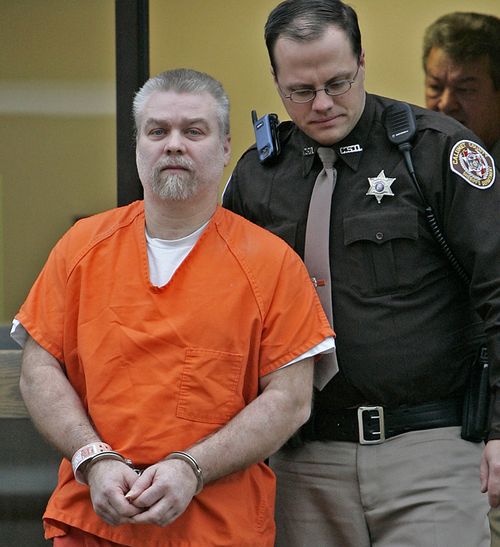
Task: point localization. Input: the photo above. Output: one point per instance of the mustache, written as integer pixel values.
(174, 162)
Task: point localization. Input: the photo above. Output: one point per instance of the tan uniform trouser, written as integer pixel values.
(419, 489)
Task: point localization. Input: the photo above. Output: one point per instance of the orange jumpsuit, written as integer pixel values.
(158, 369)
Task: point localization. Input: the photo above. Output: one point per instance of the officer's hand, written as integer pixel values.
(109, 481)
(490, 472)
(163, 492)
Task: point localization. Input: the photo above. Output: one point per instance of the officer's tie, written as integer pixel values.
(317, 253)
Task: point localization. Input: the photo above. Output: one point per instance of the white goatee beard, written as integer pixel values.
(174, 186)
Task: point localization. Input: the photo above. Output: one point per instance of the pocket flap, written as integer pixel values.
(380, 227)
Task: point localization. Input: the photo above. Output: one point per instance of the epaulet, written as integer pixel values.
(285, 130)
(436, 121)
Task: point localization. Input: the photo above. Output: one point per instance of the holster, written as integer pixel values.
(476, 409)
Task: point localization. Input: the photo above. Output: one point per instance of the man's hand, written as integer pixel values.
(490, 472)
(109, 481)
(162, 493)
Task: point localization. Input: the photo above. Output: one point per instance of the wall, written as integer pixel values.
(392, 32)
(57, 158)
(57, 130)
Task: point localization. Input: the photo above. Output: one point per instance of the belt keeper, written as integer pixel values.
(185, 457)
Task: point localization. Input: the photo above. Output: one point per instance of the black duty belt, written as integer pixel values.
(375, 424)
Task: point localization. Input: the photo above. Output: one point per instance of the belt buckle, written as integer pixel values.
(380, 434)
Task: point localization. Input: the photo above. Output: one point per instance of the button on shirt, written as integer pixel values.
(406, 332)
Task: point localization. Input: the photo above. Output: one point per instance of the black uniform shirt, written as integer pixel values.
(406, 332)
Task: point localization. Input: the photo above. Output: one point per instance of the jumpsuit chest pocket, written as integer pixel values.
(210, 388)
(382, 251)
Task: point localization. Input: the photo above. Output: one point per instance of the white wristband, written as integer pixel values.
(84, 454)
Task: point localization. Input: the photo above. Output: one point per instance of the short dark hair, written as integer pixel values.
(306, 20)
(465, 36)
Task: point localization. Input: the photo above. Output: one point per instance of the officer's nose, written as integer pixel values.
(322, 101)
(447, 102)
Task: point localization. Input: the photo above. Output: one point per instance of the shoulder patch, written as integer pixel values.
(470, 161)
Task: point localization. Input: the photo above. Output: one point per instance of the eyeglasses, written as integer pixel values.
(333, 89)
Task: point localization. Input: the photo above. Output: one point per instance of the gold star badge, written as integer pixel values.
(380, 186)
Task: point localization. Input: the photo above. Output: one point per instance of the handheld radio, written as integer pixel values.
(266, 136)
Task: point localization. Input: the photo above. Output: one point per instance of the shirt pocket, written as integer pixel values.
(210, 386)
(384, 256)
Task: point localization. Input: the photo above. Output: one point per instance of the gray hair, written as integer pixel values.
(465, 36)
(184, 80)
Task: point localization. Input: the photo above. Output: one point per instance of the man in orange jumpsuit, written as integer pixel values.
(169, 347)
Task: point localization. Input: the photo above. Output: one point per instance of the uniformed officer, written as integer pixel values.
(382, 461)
(461, 58)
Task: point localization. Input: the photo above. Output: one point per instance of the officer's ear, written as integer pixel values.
(362, 59)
